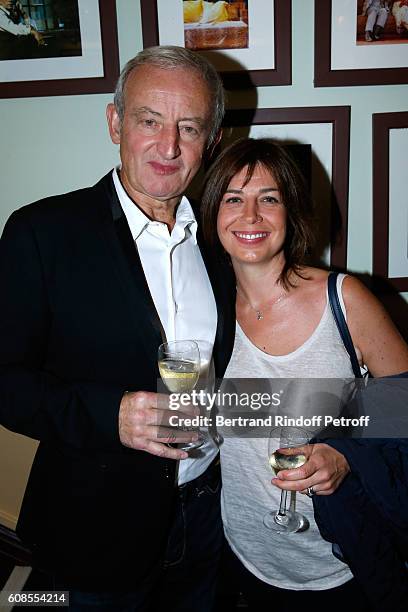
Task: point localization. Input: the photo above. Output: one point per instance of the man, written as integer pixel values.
(15, 22)
(82, 313)
(377, 12)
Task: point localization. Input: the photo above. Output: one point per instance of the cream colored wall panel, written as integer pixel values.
(16, 456)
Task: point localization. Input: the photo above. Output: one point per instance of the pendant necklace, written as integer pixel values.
(258, 311)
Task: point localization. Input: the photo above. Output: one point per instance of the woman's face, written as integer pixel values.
(251, 221)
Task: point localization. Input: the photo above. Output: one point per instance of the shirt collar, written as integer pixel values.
(185, 218)
(138, 221)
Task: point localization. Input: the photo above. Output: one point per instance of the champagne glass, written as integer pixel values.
(286, 520)
(179, 367)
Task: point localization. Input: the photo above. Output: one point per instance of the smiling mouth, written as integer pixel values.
(163, 169)
(251, 236)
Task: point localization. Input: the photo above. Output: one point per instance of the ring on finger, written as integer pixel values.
(310, 492)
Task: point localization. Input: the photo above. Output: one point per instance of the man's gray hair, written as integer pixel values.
(170, 57)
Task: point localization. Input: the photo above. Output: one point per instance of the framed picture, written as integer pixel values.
(354, 46)
(248, 41)
(64, 47)
(327, 130)
(390, 209)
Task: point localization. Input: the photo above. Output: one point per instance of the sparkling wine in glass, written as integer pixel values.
(179, 367)
(285, 520)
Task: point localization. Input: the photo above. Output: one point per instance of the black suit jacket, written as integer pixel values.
(78, 327)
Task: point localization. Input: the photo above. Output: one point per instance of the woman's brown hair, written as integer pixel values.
(250, 153)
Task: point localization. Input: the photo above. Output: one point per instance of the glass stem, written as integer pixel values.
(282, 506)
(292, 505)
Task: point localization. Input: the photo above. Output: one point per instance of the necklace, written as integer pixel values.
(260, 312)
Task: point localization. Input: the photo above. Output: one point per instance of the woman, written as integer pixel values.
(257, 200)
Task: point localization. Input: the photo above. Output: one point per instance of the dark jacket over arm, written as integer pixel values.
(367, 517)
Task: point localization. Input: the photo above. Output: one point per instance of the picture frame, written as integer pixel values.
(339, 60)
(327, 130)
(266, 61)
(390, 212)
(95, 71)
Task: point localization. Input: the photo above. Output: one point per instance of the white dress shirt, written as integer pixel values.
(180, 288)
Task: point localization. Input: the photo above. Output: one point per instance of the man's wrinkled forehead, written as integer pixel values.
(141, 75)
(162, 90)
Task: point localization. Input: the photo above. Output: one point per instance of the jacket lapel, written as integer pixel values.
(128, 268)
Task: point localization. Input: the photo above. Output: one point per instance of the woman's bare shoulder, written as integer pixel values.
(356, 294)
(373, 332)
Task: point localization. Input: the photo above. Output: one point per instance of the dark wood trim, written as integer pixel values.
(150, 23)
(64, 87)
(324, 76)
(280, 75)
(11, 547)
(382, 124)
(339, 117)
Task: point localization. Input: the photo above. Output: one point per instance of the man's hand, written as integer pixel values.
(324, 470)
(144, 424)
(38, 37)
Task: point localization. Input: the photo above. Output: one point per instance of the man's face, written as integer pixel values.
(164, 131)
(5, 3)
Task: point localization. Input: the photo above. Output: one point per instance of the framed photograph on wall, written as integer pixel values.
(356, 44)
(248, 41)
(327, 130)
(65, 47)
(390, 208)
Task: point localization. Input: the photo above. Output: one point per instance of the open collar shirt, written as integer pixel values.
(179, 286)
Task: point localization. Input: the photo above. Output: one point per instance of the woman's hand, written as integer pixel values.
(324, 470)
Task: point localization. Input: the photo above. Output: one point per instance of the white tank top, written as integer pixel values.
(301, 560)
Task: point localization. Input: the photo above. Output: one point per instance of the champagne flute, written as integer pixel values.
(179, 367)
(286, 520)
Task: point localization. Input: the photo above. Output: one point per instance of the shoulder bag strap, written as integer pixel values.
(341, 322)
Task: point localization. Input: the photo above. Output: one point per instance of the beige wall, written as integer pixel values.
(16, 453)
(51, 145)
